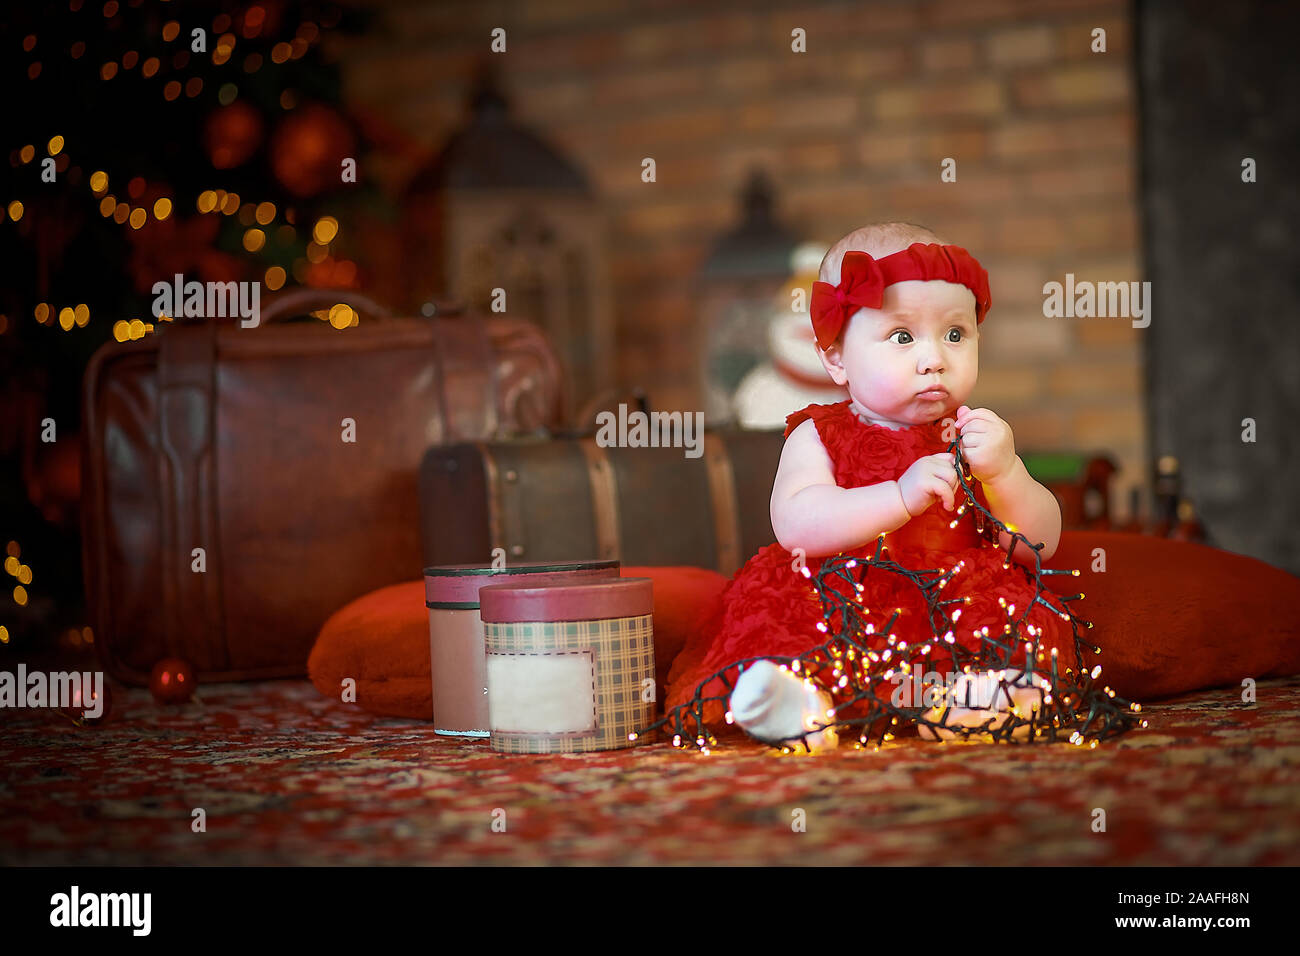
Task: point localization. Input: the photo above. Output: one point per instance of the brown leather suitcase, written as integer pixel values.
(569, 498)
(209, 435)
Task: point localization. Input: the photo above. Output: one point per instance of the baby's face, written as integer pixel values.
(923, 335)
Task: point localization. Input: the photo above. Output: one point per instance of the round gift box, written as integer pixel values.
(456, 648)
(571, 666)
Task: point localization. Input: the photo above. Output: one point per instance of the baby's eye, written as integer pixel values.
(959, 334)
(900, 332)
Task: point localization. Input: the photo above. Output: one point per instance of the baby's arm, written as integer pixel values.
(811, 512)
(1012, 494)
(1017, 500)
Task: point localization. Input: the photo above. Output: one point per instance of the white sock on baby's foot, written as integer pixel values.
(773, 704)
(987, 699)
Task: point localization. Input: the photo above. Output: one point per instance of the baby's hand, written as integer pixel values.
(986, 443)
(932, 478)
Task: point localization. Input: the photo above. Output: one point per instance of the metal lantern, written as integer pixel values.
(501, 217)
(735, 289)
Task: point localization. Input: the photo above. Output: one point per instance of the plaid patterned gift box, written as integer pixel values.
(570, 667)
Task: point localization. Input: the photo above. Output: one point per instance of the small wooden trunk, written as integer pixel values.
(565, 499)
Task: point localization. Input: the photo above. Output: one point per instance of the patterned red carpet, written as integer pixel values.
(287, 777)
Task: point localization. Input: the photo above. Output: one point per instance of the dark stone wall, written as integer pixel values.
(1219, 82)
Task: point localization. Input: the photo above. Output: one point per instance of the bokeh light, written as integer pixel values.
(327, 227)
(342, 316)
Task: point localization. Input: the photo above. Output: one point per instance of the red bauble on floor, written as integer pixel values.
(172, 681)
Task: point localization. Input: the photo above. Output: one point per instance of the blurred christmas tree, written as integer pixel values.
(148, 139)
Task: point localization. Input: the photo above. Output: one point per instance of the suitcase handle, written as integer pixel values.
(461, 350)
(300, 301)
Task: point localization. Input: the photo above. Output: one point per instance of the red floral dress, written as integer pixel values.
(770, 609)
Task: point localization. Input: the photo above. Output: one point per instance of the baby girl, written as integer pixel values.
(896, 312)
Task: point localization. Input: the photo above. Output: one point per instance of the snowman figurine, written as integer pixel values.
(793, 375)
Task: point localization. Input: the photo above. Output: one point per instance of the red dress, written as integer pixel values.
(770, 609)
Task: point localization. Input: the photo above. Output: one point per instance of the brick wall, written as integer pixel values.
(854, 130)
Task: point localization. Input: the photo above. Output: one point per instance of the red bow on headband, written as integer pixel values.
(863, 279)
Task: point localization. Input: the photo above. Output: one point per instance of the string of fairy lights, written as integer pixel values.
(858, 664)
(135, 212)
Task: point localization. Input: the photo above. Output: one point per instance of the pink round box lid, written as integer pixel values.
(566, 601)
(457, 585)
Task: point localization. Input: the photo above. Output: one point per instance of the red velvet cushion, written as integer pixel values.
(1173, 616)
(1170, 617)
(381, 640)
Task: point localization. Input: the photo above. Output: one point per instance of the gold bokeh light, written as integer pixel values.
(327, 227)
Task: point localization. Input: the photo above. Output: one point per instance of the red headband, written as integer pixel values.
(863, 280)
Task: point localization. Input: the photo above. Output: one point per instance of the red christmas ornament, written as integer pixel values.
(266, 17)
(232, 134)
(308, 149)
(172, 681)
(81, 708)
(332, 274)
